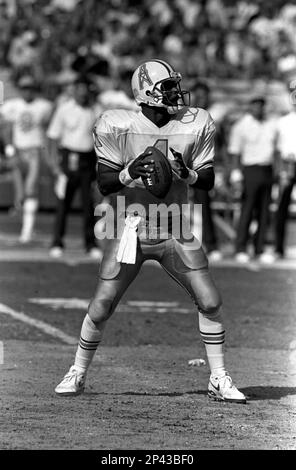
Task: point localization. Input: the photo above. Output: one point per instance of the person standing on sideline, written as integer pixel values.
(26, 119)
(185, 136)
(286, 147)
(251, 149)
(73, 163)
(202, 98)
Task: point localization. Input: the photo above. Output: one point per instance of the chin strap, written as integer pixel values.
(127, 250)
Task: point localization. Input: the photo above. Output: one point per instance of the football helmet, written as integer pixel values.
(156, 83)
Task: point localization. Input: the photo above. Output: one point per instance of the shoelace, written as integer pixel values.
(226, 378)
(70, 375)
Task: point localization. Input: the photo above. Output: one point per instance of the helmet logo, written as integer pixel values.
(144, 77)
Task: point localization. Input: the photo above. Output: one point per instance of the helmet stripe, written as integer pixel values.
(163, 63)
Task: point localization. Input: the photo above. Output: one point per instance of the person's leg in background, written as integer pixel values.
(86, 179)
(247, 206)
(281, 218)
(262, 206)
(31, 159)
(62, 210)
(18, 188)
(208, 228)
(87, 169)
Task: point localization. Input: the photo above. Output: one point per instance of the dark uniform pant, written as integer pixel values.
(208, 229)
(79, 167)
(188, 267)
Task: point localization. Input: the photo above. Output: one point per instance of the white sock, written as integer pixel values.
(90, 338)
(29, 215)
(213, 335)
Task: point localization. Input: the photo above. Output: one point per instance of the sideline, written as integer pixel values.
(40, 325)
(76, 258)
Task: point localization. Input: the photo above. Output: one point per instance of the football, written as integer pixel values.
(159, 182)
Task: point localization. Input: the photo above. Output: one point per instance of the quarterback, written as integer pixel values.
(124, 140)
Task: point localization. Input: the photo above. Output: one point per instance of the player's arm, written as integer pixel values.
(205, 179)
(111, 180)
(112, 173)
(200, 172)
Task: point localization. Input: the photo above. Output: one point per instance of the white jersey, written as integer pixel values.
(121, 136)
(117, 99)
(28, 119)
(72, 126)
(286, 137)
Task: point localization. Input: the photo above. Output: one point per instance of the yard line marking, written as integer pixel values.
(152, 303)
(131, 306)
(74, 258)
(60, 302)
(40, 325)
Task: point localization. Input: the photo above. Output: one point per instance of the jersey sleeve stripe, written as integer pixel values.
(113, 165)
(204, 166)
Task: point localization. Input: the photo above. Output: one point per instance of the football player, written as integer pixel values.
(26, 118)
(186, 137)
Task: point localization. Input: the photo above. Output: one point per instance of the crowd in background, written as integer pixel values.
(223, 38)
(57, 41)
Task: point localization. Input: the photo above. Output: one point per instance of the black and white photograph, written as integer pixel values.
(147, 230)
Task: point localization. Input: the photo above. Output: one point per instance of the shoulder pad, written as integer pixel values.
(115, 118)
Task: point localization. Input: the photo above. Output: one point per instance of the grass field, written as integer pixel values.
(141, 393)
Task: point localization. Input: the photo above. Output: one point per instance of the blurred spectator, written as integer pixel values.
(252, 148)
(226, 38)
(5, 27)
(27, 117)
(201, 98)
(286, 146)
(120, 96)
(74, 164)
(23, 53)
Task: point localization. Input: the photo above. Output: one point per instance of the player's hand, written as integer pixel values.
(178, 165)
(138, 169)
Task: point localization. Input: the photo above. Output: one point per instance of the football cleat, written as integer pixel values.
(25, 238)
(267, 258)
(242, 257)
(72, 384)
(95, 253)
(56, 252)
(222, 389)
(214, 255)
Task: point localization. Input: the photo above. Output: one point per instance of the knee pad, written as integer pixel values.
(210, 306)
(100, 310)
